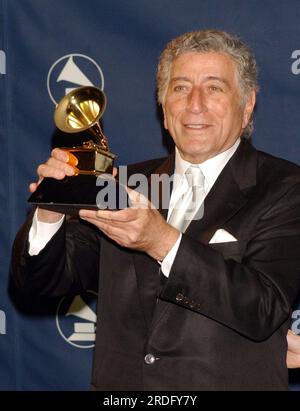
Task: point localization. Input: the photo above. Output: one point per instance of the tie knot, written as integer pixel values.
(194, 176)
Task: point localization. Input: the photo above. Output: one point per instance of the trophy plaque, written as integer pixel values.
(78, 111)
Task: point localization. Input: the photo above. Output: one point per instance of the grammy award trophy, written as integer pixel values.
(78, 111)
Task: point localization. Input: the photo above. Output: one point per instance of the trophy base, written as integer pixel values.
(71, 194)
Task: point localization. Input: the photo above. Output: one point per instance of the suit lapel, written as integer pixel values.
(228, 195)
(223, 201)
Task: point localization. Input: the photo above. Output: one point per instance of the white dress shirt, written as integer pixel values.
(41, 233)
(211, 169)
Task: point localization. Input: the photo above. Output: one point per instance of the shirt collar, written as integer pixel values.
(211, 168)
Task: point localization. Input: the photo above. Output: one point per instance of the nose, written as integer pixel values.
(196, 101)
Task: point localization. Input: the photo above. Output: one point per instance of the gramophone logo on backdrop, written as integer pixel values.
(70, 72)
(76, 320)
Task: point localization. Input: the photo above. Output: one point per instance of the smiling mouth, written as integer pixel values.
(196, 126)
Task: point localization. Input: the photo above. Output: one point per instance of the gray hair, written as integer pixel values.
(206, 41)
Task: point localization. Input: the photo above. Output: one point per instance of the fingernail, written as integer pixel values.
(69, 171)
(72, 160)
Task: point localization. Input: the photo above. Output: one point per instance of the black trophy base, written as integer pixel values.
(88, 192)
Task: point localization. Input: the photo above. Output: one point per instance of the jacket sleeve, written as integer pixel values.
(69, 263)
(253, 295)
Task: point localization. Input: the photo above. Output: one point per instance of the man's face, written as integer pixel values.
(202, 107)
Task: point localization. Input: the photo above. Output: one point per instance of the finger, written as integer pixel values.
(60, 165)
(112, 217)
(137, 199)
(46, 171)
(61, 155)
(32, 187)
(103, 215)
(118, 216)
(87, 214)
(131, 193)
(65, 156)
(115, 171)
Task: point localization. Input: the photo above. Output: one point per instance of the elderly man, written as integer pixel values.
(186, 303)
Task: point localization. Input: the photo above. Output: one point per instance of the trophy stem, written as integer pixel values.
(96, 131)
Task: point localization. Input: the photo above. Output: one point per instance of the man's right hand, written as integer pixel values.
(58, 166)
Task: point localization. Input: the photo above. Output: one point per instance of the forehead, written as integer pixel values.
(198, 65)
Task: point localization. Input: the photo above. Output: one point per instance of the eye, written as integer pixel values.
(215, 89)
(179, 88)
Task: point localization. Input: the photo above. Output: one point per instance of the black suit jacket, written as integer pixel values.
(220, 321)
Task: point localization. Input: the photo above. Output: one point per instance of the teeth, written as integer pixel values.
(195, 125)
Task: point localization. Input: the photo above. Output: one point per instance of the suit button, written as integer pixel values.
(149, 359)
(179, 297)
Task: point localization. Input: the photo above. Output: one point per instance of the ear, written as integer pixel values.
(165, 117)
(248, 109)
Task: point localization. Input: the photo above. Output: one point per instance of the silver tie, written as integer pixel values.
(190, 205)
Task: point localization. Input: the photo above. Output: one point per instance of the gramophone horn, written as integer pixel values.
(81, 110)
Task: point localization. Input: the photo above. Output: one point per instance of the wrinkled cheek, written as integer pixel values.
(174, 124)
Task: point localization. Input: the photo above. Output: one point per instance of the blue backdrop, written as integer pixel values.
(50, 46)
